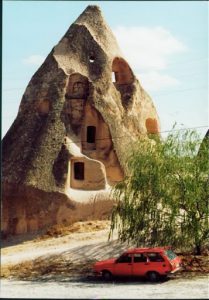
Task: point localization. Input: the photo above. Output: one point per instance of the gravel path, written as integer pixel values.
(33, 249)
(190, 288)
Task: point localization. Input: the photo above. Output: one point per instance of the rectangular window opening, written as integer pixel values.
(79, 170)
(91, 134)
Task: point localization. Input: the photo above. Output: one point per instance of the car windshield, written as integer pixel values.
(170, 254)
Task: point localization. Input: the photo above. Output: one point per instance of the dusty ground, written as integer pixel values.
(60, 251)
(69, 251)
(57, 264)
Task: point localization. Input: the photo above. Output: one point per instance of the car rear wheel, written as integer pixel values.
(153, 276)
(106, 275)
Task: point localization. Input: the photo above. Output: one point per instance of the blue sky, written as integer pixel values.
(165, 43)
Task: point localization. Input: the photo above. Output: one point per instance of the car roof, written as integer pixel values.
(139, 250)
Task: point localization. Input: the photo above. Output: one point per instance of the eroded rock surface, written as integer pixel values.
(78, 116)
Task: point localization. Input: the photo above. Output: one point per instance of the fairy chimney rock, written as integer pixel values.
(80, 112)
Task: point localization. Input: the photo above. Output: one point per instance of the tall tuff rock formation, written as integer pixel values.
(70, 138)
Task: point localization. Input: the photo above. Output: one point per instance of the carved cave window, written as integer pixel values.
(79, 87)
(43, 107)
(91, 134)
(91, 59)
(79, 170)
(121, 71)
(152, 125)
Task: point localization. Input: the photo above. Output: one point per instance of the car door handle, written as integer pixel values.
(130, 264)
(146, 263)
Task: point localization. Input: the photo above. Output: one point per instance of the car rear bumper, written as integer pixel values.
(176, 270)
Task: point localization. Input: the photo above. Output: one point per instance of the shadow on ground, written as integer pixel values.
(77, 261)
(19, 239)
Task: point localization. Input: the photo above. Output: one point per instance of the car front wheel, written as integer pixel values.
(106, 275)
(153, 276)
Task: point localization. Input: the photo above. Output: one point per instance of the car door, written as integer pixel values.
(156, 262)
(140, 264)
(123, 265)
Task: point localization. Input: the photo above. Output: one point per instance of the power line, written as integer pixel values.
(183, 90)
(169, 64)
(142, 134)
(187, 75)
(188, 61)
(145, 134)
(154, 94)
(187, 128)
(190, 75)
(174, 63)
(20, 88)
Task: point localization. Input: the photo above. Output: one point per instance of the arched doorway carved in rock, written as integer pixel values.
(78, 87)
(122, 73)
(123, 79)
(77, 92)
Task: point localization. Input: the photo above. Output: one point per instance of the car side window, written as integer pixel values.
(155, 257)
(126, 258)
(139, 257)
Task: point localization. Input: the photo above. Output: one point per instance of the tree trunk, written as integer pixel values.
(197, 250)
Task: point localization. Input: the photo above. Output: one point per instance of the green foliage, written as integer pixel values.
(164, 199)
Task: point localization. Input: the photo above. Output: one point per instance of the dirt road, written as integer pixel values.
(190, 288)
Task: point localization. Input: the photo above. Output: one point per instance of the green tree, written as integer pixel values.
(164, 198)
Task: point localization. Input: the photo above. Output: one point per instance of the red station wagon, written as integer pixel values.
(149, 262)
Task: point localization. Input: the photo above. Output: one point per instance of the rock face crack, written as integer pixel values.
(77, 120)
